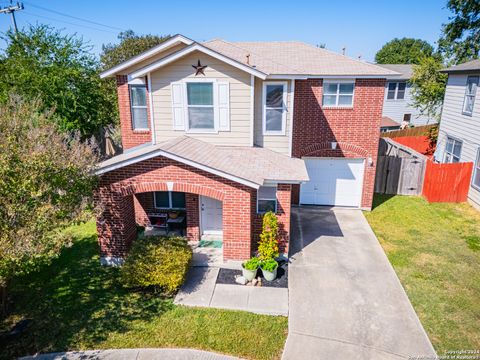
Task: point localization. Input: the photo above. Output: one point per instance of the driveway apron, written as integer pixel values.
(345, 299)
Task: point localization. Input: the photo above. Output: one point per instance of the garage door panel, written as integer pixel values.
(333, 182)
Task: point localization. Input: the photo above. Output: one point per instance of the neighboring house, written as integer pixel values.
(387, 124)
(397, 103)
(459, 133)
(223, 132)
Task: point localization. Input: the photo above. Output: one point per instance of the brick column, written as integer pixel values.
(193, 217)
(237, 225)
(116, 226)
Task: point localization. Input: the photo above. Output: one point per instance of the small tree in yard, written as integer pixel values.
(46, 182)
(268, 244)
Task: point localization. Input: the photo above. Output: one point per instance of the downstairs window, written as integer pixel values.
(169, 200)
(266, 199)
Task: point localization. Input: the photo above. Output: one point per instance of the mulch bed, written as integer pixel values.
(227, 276)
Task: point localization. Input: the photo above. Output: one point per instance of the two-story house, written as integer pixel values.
(221, 132)
(397, 104)
(459, 132)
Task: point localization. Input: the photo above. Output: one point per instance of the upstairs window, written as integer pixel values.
(138, 106)
(476, 171)
(407, 117)
(338, 94)
(200, 105)
(169, 200)
(274, 108)
(470, 92)
(453, 149)
(396, 90)
(266, 199)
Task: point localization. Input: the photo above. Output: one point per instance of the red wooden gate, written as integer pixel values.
(447, 182)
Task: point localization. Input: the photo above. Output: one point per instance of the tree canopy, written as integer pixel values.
(460, 41)
(46, 182)
(404, 51)
(40, 63)
(130, 45)
(428, 87)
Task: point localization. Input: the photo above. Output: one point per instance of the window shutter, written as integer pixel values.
(178, 106)
(223, 103)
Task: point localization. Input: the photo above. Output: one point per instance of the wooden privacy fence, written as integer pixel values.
(447, 182)
(402, 170)
(414, 131)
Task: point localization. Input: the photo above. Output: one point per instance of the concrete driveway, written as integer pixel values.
(345, 299)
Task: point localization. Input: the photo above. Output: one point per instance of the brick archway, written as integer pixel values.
(342, 149)
(143, 187)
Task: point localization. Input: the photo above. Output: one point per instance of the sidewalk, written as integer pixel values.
(137, 354)
(200, 289)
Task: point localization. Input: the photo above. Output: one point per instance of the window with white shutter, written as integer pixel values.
(223, 103)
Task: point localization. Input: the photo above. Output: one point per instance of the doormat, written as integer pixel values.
(227, 276)
(216, 244)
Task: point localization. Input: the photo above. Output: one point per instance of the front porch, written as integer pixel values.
(206, 193)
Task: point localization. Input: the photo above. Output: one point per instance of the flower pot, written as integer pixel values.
(249, 274)
(270, 275)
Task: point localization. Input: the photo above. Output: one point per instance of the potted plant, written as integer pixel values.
(269, 269)
(249, 268)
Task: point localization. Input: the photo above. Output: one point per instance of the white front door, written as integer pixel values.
(333, 181)
(210, 215)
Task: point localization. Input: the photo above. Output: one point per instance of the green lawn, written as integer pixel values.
(435, 250)
(77, 304)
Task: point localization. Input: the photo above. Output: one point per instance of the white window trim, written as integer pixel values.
(170, 203)
(476, 168)
(473, 96)
(215, 106)
(264, 108)
(138, 106)
(276, 199)
(396, 91)
(453, 146)
(339, 81)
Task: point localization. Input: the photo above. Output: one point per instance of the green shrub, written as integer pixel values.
(268, 244)
(269, 265)
(252, 264)
(158, 262)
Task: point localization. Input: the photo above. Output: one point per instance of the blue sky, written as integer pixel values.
(360, 26)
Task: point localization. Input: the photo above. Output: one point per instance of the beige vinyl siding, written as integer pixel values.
(279, 143)
(240, 117)
(396, 109)
(463, 127)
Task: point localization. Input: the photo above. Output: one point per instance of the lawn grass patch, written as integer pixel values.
(434, 250)
(76, 304)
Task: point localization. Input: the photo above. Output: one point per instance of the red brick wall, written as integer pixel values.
(116, 226)
(356, 130)
(283, 216)
(193, 217)
(130, 137)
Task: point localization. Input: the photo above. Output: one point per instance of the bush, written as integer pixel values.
(268, 244)
(252, 264)
(158, 262)
(269, 265)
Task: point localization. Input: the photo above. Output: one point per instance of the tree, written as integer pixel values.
(428, 87)
(130, 45)
(46, 182)
(460, 41)
(60, 71)
(404, 51)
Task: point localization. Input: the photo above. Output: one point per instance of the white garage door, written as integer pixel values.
(333, 182)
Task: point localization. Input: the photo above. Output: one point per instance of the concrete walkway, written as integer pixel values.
(200, 289)
(346, 301)
(135, 354)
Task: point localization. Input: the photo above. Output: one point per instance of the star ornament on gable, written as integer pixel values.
(199, 68)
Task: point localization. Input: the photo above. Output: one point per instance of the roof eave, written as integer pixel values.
(195, 47)
(173, 41)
